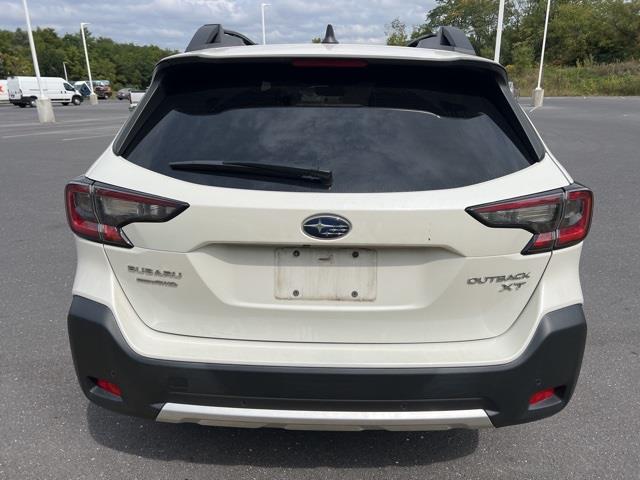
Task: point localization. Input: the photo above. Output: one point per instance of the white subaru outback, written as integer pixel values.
(328, 236)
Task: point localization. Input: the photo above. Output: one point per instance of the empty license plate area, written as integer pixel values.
(338, 274)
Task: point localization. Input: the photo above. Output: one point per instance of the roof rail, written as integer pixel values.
(446, 38)
(214, 36)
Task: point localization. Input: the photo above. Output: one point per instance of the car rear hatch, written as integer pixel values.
(383, 252)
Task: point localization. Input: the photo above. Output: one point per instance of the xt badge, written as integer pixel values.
(510, 287)
(507, 283)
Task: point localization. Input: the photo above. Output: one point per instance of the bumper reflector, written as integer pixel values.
(107, 386)
(541, 396)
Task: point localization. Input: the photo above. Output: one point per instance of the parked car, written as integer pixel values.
(328, 236)
(123, 93)
(4, 92)
(82, 88)
(25, 91)
(135, 97)
(102, 89)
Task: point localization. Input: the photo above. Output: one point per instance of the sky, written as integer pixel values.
(171, 23)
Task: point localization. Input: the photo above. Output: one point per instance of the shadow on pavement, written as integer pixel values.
(275, 448)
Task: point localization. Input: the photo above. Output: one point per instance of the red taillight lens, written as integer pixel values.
(107, 386)
(557, 219)
(329, 63)
(576, 221)
(99, 212)
(80, 212)
(541, 242)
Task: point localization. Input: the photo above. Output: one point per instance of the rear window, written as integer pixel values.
(378, 128)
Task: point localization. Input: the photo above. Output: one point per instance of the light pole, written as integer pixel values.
(264, 29)
(43, 104)
(64, 67)
(93, 98)
(496, 56)
(538, 93)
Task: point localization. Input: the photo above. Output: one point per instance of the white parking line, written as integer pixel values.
(69, 122)
(56, 132)
(85, 138)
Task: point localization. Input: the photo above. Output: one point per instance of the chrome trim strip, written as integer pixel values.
(323, 420)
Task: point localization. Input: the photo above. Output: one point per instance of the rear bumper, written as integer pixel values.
(328, 398)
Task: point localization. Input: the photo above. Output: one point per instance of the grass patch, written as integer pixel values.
(583, 80)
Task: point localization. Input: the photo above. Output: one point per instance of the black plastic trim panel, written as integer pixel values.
(552, 359)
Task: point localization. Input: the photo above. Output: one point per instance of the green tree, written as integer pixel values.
(122, 64)
(579, 30)
(396, 33)
(477, 18)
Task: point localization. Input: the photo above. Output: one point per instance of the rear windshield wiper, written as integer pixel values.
(323, 177)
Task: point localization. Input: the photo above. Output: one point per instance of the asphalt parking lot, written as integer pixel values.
(48, 430)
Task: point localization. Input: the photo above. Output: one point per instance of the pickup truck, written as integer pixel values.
(102, 89)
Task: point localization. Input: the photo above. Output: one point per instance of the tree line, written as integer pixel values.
(124, 64)
(580, 31)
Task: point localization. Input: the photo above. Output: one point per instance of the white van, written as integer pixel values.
(4, 92)
(24, 91)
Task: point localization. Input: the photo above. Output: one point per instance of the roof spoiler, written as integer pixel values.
(214, 36)
(446, 38)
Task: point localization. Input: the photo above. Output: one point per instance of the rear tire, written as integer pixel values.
(22, 105)
(32, 102)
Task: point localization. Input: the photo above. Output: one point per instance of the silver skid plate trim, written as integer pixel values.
(323, 420)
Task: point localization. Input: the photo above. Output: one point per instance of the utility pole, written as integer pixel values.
(93, 98)
(496, 56)
(43, 104)
(538, 93)
(64, 67)
(264, 29)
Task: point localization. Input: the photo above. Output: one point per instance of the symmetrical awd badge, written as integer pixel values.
(326, 227)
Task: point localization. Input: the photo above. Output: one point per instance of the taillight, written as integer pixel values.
(576, 220)
(557, 219)
(98, 212)
(80, 212)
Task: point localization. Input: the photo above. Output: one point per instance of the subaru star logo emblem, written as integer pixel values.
(326, 227)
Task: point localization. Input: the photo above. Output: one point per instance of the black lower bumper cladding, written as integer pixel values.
(552, 360)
